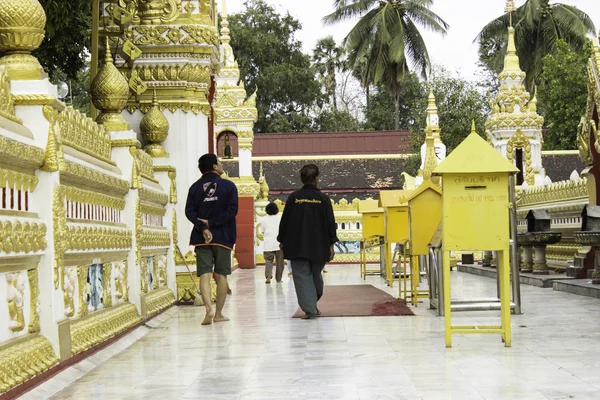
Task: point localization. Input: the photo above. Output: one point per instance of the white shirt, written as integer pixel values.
(270, 228)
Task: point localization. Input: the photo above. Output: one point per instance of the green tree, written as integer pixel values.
(381, 111)
(563, 95)
(67, 29)
(388, 37)
(459, 102)
(328, 58)
(538, 27)
(270, 58)
(335, 121)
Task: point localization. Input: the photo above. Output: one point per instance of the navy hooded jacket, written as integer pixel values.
(219, 206)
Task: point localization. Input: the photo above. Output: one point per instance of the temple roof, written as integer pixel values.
(560, 166)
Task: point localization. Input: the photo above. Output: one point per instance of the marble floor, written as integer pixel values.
(262, 353)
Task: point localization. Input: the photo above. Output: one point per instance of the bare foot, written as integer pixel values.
(209, 318)
(220, 318)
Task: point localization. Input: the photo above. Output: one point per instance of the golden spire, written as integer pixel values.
(473, 129)
(511, 60)
(432, 128)
(225, 38)
(532, 106)
(155, 129)
(110, 92)
(22, 23)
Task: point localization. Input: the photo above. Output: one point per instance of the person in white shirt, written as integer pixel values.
(270, 229)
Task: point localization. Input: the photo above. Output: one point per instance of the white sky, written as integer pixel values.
(456, 51)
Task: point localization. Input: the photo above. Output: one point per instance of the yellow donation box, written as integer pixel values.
(372, 218)
(395, 211)
(424, 216)
(373, 233)
(475, 206)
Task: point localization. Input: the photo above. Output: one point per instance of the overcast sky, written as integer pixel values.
(456, 51)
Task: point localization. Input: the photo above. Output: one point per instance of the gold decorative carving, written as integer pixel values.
(126, 143)
(349, 235)
(161, 262)
(34, 301)
(583, 140)
(146, 165)
(110, 92)
(195, 106)
(14, 152)
(106, 280)
(12, 179)
(198, 34)
(154, 197)
(193, 73)
(150, 12)
(24, 360)
(39, 100)
(152, 238)
(7, 102)
(82, 133)
(59, 219)
(54, 155)
(69, 290)
(82, 290)
(519, 141)
(155, 129)
(174, 233)
(94, 238)
(15, 297)
(88, 197)
(153, 210)
(139, 231)
(22, 236)
(343, 205)
(23, 24)
(93, 178)
(121, 288)
(173, 194)
(158, 300)
(102, 325)
(556, 192)
(136, 178)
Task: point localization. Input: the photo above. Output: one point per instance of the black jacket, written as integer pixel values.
(219, 207)
(307, 228)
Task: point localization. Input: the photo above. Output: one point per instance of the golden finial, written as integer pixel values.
(264, 187)
(473, 129)
(22, 23)
(155, 129)
(510, 8)
(110, 92)
(532, 106)
(432, 128)
(225, 38)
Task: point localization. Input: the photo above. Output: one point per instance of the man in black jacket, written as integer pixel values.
(212, 206)
(307, 233)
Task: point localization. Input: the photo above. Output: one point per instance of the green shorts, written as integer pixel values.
(207, 256)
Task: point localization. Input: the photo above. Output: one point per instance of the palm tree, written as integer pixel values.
(388, 36)
(328, 58)
(538, 26)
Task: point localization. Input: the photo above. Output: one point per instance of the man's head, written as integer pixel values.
(309, 174)
(209, 163)
(271, 209)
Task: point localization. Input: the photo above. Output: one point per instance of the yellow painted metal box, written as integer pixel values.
(373, 222)
(425, 215)
(396, 214)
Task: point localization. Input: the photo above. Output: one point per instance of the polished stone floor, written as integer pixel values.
(264, 354)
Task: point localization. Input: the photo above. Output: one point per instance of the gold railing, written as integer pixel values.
(554, 193)
(78, 131)
(7, 101)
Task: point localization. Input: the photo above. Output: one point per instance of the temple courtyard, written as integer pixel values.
(262, 353)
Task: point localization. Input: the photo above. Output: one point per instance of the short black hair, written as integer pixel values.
(272, 209)
(206, 162)
(309, 173)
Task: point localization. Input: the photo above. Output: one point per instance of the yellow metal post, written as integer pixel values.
(504, 275)
(447, 316)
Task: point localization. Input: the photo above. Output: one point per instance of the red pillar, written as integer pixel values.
(244, 247)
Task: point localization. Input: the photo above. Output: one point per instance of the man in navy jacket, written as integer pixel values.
(212, 206)
(307, 233)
